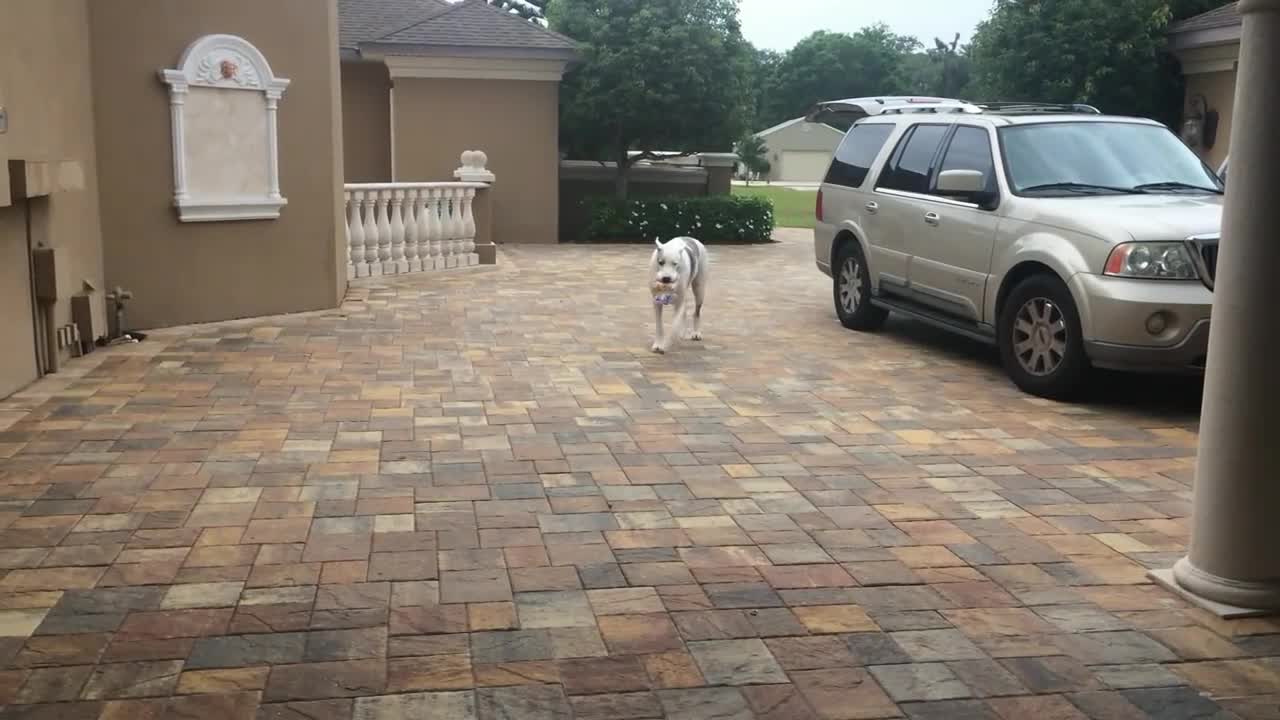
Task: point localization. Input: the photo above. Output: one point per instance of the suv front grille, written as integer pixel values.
(1204, 250)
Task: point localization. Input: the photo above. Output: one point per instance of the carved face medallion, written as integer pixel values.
(228, 69)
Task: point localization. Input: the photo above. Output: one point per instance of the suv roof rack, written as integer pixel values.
(853, 109)
(857, 108)
(1014, 108)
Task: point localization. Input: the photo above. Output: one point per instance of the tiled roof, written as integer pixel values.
(1224, 16)
(436, 23)
(475, 23)
(364, 20)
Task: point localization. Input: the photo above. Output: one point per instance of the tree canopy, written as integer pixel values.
(534, 10)
(828, 65)
(1109, 53)
(657, 75)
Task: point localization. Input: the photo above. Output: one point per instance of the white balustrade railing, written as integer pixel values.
(396, 228)
(410, 227)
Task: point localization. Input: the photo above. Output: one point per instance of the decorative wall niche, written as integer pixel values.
(222, 102)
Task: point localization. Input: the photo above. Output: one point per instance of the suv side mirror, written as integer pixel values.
(971, 185)
(962, 182)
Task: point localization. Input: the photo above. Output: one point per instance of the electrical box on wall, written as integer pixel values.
(45, 274)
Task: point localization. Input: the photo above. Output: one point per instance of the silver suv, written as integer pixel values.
(1068, 238)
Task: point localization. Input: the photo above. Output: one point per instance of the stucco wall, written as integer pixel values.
(366, 121)
(45, 87)
(516, 122)
(197, 272)
(1219, 89)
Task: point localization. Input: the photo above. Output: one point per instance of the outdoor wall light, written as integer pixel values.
(1200, 128)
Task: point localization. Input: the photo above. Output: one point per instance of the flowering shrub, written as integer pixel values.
(712, 218)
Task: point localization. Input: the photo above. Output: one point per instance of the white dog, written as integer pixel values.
(678, 269)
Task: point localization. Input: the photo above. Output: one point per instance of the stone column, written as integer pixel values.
(1233, 567)
(474, 168)
(719, 167)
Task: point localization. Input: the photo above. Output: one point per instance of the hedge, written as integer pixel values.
(711, 218)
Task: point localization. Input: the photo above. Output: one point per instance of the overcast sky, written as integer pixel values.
(779, 24)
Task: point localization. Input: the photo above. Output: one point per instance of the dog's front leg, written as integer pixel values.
(659, 338)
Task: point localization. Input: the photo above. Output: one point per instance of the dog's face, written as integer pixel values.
(667, 266)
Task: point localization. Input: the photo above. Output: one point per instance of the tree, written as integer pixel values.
(942, 70)
(1108, 53)
(953, 67)
(533, 10)
(657, 75)
(752, 153)
(827, 65)
(761, 81)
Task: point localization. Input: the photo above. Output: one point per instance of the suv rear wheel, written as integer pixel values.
(852, 290)
(1040, 339)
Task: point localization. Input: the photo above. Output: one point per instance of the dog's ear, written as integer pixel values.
(658, 242)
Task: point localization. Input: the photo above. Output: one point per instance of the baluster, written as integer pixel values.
(446, 217)
(384, 233)
(458, 227)
(355, 237)
(411, 230)
(436, 227)
(424, 236)
(371, 234)
(469, 228)
(398, 262)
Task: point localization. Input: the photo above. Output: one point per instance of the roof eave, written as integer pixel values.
(1204, 37)
(384, 49)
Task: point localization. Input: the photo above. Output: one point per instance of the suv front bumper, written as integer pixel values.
(1114, 316)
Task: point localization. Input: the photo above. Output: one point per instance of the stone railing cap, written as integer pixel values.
(718, 159)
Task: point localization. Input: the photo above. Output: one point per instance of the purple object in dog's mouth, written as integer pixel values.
(663, 299)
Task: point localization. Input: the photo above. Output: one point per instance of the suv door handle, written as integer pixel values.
(873, 207)
(932, 218)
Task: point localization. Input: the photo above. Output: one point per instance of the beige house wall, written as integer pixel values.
(366, 121)
(45, 88)
(197, 272)
(1219, 88)
(516, 122)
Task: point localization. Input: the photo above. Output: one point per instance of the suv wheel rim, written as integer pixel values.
(1040, 337)
(850, 285)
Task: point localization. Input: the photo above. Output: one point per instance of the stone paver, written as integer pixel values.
(478, 496)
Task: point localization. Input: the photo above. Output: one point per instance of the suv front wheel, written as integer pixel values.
(851, 287)
(1040, 339)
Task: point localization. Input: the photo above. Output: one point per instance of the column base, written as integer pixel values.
(1226, 598)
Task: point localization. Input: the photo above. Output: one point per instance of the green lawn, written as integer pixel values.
(791, 208)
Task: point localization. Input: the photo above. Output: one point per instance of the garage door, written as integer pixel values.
(804, 166)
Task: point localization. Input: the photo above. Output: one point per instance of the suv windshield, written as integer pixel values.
(1075, 158)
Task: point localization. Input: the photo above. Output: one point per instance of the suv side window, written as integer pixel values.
(970, 149)
(858, 150)
(909, 167)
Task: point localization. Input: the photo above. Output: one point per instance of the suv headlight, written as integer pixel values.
(1154, 260)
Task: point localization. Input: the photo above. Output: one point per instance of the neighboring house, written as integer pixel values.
(424, 80)
(799, 151)
(1208, 47)
(193, 154)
